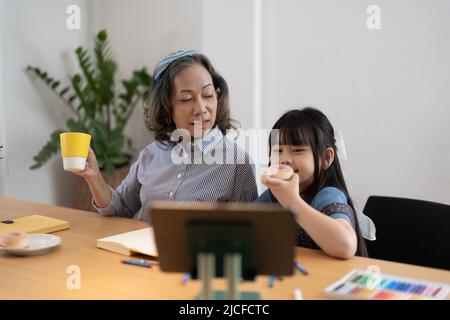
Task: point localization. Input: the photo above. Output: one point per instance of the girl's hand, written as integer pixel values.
(91, 169)
(287, 192)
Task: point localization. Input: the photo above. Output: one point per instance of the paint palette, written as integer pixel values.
(359, 284)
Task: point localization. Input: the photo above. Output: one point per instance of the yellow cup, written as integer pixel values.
(74, 150)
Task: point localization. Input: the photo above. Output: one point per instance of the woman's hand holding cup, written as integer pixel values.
(91, 170)
(78, 156)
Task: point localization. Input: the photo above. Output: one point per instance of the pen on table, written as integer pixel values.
(301, 268)
(271, 281)
(140, 263)
(186, 278)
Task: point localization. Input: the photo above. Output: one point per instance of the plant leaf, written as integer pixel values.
(48, 150)
(119, 160)
(85, 65)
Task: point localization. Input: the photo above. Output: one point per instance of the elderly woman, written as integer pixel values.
(189, 114)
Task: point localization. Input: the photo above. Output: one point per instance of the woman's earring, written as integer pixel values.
(168, 121)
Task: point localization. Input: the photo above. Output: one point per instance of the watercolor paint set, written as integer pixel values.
(360, 284)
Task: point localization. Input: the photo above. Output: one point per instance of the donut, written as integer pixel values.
(14, 240)
(280, 172)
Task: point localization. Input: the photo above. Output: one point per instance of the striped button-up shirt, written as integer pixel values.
(210, 169)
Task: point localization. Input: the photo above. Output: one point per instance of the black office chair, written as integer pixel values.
(410, 231)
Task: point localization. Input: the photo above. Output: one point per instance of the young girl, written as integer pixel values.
(316, 193)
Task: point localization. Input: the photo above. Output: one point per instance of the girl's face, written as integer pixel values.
(194, 100)
(299, 158)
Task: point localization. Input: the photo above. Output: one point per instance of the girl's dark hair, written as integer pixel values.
(311, 127)
(158, 111)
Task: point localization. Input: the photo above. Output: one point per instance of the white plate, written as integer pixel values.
(39, 243)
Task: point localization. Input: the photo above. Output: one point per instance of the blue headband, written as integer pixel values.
(164, 63)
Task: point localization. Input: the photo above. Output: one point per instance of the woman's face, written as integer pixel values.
(194, 101)
(299, 158)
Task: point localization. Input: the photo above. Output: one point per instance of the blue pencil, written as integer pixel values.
(271, 281)
(186, 278)
(301, 268)
(140, 263)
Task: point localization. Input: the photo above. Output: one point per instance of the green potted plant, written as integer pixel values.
(99, 106)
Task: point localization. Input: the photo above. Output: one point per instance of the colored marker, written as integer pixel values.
(140, 263)
(271, 281)
(186, 278)
(301, 268)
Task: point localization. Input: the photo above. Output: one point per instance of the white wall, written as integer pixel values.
(3, 181)
(387, 90)
(33, 32)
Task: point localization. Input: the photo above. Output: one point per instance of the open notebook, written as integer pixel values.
(129, 243)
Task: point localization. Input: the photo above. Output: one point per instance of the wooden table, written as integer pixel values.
(104, 277)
